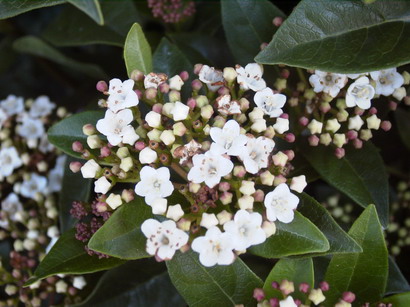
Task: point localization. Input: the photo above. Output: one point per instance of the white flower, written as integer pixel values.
(55, 177)
(36, 184)
(209, 168)
(208, 220)
(153, 80)
(114, 125)
(360, 93)
(256, 154)
(288, 302)
(10, 205)
(102, 185)
(45, 146)
(31, 128)
(250, 77)
(226, 106)
(12, 105)
(176, 83)
(269, 102)
(79, 282)
(298, 183)
(246, 229)
(387, 81)
(129, 136)
(147, 155)
(163, 239)
(212, 77)
(327, 82)
(90, 169)
(9, 160)
(3, 117)
(281, 125)
(154, 183)
(280, 204)
(180, 111)
(175, 212)
(122, 95)
(42, 106)
(229, 139)
(114, 201)
(153, 119)
(355, 122)
(214, 248)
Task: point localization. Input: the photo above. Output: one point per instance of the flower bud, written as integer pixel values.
(339, 153)
(179, 129)
(339, 139)
(239, 171)
(229, 74)
(325, 139)
(257, 113)
(373, 122)
(147, 155)
(332, 125)
(154, 135)
(281, 125)
(198, 68)
(298, 183)
(399, 93)
(386, 125)
(126, 164)
(280, 159)
(315, 126)
(89, 129)
(176, 82)
(247, 187)
(175, 212)
(114, 201)
(184, 224)
(267, 178)
(123, 152)
(77, 147)
(153, 119)
(366, 134)
(150, 94)
(196, 85)
(167, 137)
(269, 228)
(259, 125)
(137, 75)
(259, 195)
(226, 198)
(348, 297)
(93, 141)
(174, 96)
(207, 112)
(246, 202)
(316, 296)
(201, 101)
(90, 169)
(287, 287)
(208, 220)
(102, 86)
(280, 84)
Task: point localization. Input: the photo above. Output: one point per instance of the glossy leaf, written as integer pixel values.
(35, 46)
(396, 282)
(137, 51)
(339, 240)
(68, 256)
(217, 286)
(360, 174)
(132, 285)
(342, 36)
(247, 25)
(64, 133)
(398, 300)
(296, 238)
(12, 8)
(365, 274)
(91, 8)
(403, 125)
(121, 235)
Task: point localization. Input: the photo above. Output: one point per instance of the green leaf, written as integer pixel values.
(365, 274)
(73, 188)
(296, 270)
(137, 52)
(132, 284)
(64, 133)
(247, 25)
(398, 300)
(35, 46)
(13, 8)
(360, 174)
(68, 256)
(342, 36)
(91, 8)
(396, 282)
(217, 286)
(296, 238)
(121, 235)
(403, 125)
(339, 240)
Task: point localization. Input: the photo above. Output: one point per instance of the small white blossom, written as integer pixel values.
(9, 160)
(114, 201)
(153, 80)
(214, 248)
(12, 105)
(31, 128)
(176, 83)
(79, 282)
(45, 146)
(247, 187)
(42, 106)
(226, 106)
(316, 296)
(129, 136)
(246, 229)
(90, 169)
(55, 176)
(259, 125)
(147, 155)
(175, 212)
(280, 204)
(114, 125)
(257, 113)
(228, 140)
(360, 94)
(327, 82)
(224, 217)
(209, 168)
(61, 286)
(288, 302)
(298, 183)
(281, 125)
(153, 119)
(269, 102)
(256, 154)
(250, 77)
(163, 239)
(155, 183)
(355, 123)
(246, 202)
(36, 184)
(180, 111)
(387, 81)
(102, 185)
(122, 95)
(53, 232)
(10, 205)
(208, 220)
(212, 77)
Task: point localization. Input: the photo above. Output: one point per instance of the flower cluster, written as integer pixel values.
(172, 11)
(216, 147)
(31, 172)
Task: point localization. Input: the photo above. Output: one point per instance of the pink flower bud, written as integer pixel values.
(290, 153)
(392, 105)
(105, 152)
(258, 294)
(290, 137)
(357, 143)
(298, 302)
(358, 111)
(386, 125)
(372, 111)
(164, 88)
(101, 207)
(151, 93)
(348, 297)
(285, 73)
(313, 140)
(222, 91)
(157, 108)
(139, 93)
(137, 75)
(284, 115)
(196, 85)
(139, 146)
(191, 103)
(263, 46)
(325, 107)
(77, 147)
(102, 86)
(324, 286)
(224, 186)
(197, 68)
(303, 121)
(75, 166)
(351, 134)
(274, 302)
(184, 75)
(259, 195)
(275, 285)
(339, 153)
(304, 287)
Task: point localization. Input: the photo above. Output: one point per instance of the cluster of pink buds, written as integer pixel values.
(172, 11)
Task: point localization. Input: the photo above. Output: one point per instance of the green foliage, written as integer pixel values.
(137, 51)
(68, 256)
(365, 274)
(91, 8)
(403, 125)
(342, 36)
(217, 286)
(396, 282)
(121, 235)
(12, 8)
(64, 133)
(398, 300)
(360, 174)
(296, 238)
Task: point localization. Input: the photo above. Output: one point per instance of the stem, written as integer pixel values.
(302, 75)
(179, 170)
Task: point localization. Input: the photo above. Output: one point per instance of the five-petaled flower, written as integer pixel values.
(269, 102)
(280, 204)
(154, 184)
(122, 95)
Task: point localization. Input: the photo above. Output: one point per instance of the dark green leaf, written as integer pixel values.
(132, 285)
(296, 270)
(137, 52)
(91, 8)
(398, 300)
(64, 133)
(12, 8)
(68, 256)
(360, 174)
(217, 286)
(247, 25)
(35, 46)
(121, 235)
(339, 240)
(365, 274)
(403, 125)
(296, 238)
(396, 282)
(342, 36)
(7, 54)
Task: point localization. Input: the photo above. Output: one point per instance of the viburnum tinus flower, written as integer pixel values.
(280, 204)
(256, 153)
(269, 102)
(211, 77)
(36, 184)
(42, 106)
(10, 206)
(9, 160)
(122, 95)
(387, 81)
(155, 183)
(327, 82)
(360, 93)
(250, 77)
(229, 139)
(12, 105)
